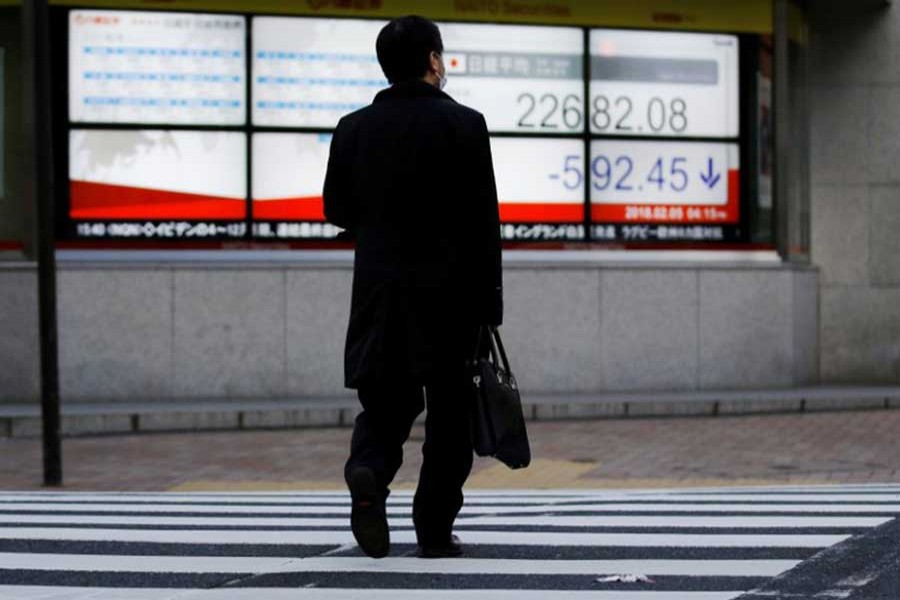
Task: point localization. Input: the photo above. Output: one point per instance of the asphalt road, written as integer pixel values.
(714, 544)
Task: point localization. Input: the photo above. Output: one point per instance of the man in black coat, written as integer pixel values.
(411, 179)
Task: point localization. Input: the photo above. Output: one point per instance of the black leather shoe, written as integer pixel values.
(368, 518)
(451, 549)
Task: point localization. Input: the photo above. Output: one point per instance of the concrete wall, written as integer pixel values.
(855, 97)
(19, 346)
(178, 331)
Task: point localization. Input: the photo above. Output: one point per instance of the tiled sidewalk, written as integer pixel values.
(841, 447)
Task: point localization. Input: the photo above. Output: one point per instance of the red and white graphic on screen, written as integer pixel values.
(665, 182)
(155, 175)
(539, 180)
(288, 176)
(727, 214)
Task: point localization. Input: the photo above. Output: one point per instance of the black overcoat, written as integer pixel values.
(410, 177)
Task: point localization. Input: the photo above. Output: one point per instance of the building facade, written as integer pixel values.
(793, 282)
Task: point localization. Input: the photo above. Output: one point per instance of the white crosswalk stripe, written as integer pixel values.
(711, 544)
(396, 522)
(341, 538)
(689, 505)
(170, 564)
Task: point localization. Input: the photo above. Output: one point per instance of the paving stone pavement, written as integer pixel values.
(840, 447)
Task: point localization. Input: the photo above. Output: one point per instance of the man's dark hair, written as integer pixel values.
(405, 45)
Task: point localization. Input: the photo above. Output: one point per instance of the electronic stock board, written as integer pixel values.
(193, 126)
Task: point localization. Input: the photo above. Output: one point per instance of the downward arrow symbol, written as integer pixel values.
(711, 178)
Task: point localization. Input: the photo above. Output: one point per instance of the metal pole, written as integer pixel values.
(37, 19)
(781, 97)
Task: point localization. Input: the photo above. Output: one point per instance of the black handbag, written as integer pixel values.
(498, 424)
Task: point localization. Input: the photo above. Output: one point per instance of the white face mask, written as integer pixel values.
(442, 78)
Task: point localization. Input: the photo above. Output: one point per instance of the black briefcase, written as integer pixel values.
(498, 424)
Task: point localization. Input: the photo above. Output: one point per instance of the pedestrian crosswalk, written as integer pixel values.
(712, 544)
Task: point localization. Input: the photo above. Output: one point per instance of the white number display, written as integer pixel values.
(539, 181)
(664, 182)
(522, 78)
(647, 83)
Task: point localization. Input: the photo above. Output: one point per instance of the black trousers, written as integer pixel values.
(389, 410)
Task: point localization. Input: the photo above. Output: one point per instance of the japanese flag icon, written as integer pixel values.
(455, 64)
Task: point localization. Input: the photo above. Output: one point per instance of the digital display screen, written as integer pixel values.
(312, 72)
(676, 183)
(157, 174)
(288, 177)
(161, 143)
(652, 83)
(527, 79)
(539, 181)
(156, 67)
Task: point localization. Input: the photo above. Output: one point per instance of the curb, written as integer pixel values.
(101, 418)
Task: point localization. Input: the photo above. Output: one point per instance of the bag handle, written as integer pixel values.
(496, 351)
(481, 340)
(497, 346)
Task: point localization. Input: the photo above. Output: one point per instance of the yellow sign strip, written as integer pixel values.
(748, 16)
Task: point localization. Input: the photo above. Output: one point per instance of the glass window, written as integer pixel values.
(12, 134)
